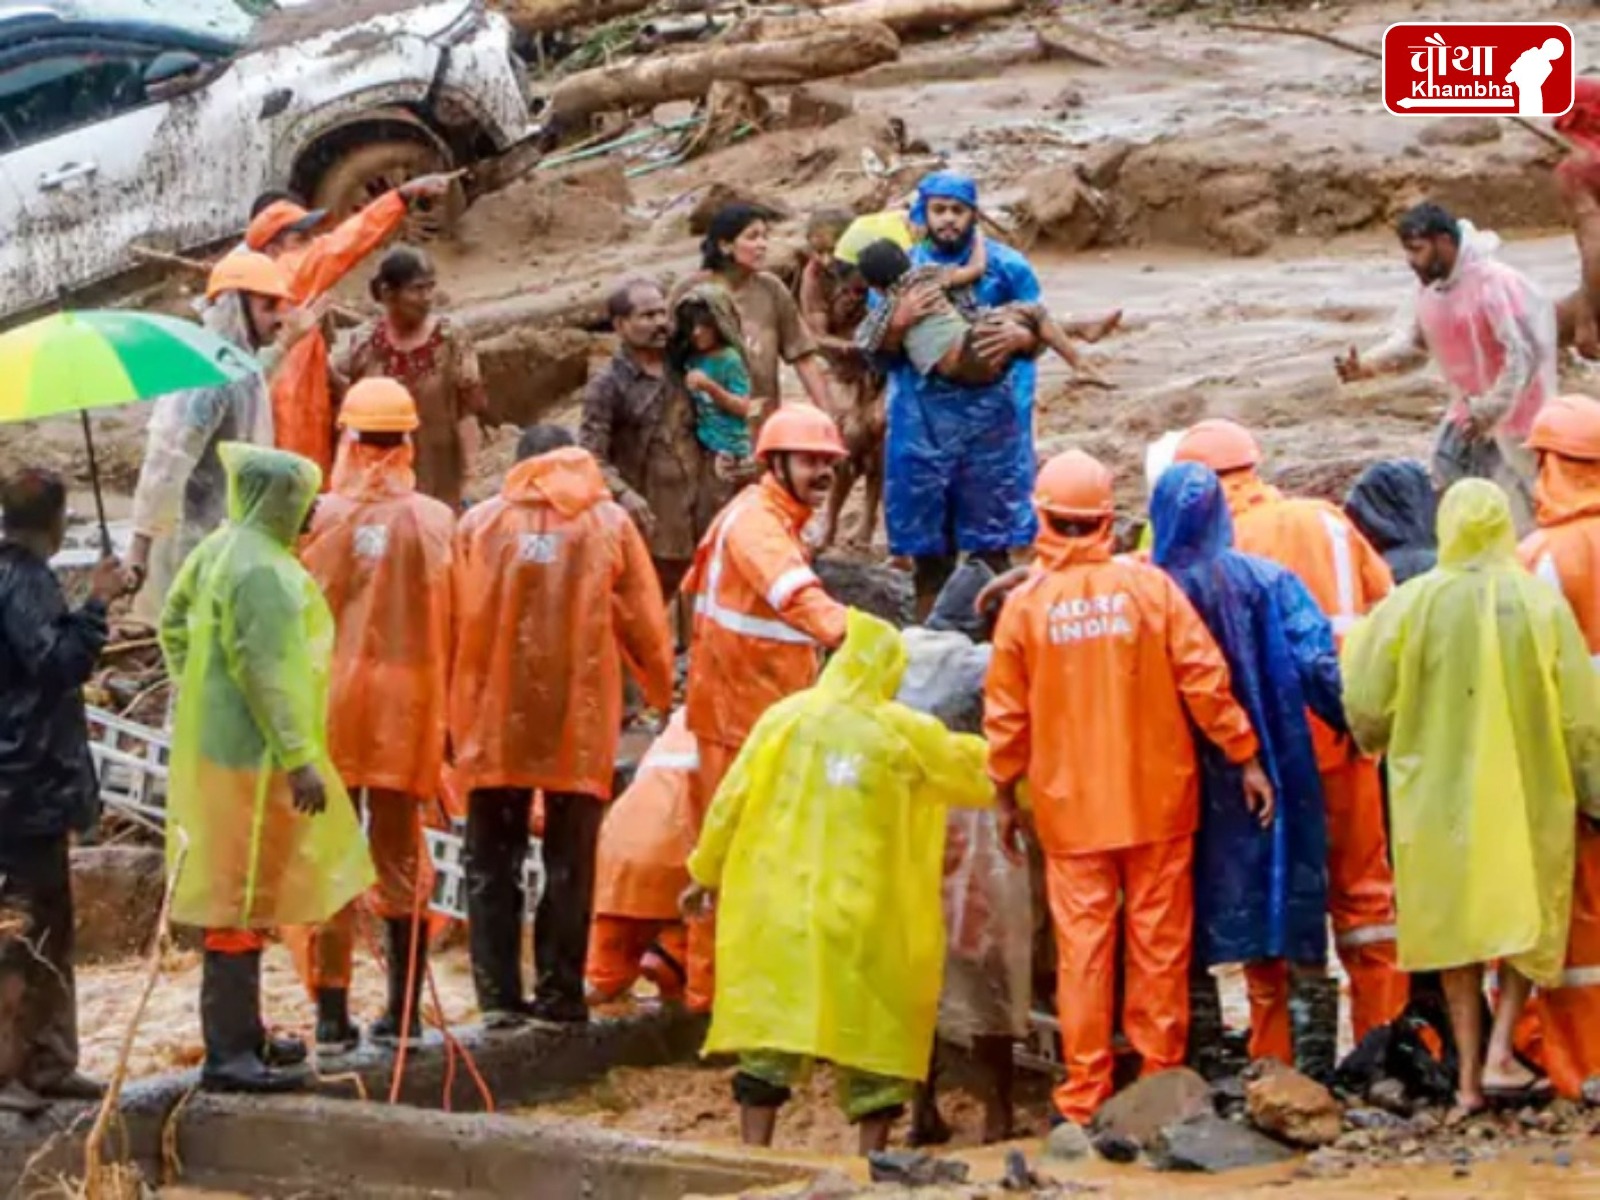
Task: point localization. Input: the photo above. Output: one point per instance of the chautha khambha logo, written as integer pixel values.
(1442, 67)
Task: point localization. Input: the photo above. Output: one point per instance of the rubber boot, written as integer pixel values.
(386, 1029)
(1314, 1024)
(230, 1021)
(335, 1034)
(495, 906)
(1205, 1054)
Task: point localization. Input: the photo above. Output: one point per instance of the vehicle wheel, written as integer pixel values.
(364, 173)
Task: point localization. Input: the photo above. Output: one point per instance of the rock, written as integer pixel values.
(1067, 1143)
(1301, 1111)
(1460, 131)
(1210, 1144)
(529, 372)
(116, 896)
(718, 196)
(1562, 1159)
(1140, 1112)
(1390, 1095)
(1113, 1147)
(819, 104)
(1372, 1118)
(1591, 1091)
(881, 591)
(1357, 1141)
(915, 1169)
(1227, 1095)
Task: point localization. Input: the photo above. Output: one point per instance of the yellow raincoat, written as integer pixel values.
(249, 639)
(1476, 681)
(825, 844)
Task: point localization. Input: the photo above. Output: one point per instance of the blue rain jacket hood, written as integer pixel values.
(1259, 893)
(943, 185)
(1393, 505)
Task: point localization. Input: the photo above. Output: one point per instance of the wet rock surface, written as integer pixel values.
(1142, 1111)
(1287, 1105)
(1212, 1144)
(881, 591)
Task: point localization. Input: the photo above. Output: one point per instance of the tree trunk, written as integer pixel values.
(660, 78)
(905, 17)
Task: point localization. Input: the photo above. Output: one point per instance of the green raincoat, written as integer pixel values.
(1476, 681)
(825, 844)
(249, 639)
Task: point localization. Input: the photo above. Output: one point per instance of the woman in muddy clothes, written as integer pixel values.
(435, 360)
(734, 254)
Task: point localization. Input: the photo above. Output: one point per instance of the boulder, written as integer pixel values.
(1067, 1143)
(881, 591)
(1059, 206)
(529, 372)
(116, 898)
(1290, 1106)
(1113, 1147)
(819, 104)
(1149, 1106)
(1211, 1144)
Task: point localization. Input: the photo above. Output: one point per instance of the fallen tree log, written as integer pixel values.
(547, 16)
(830, 52)
(905, 17)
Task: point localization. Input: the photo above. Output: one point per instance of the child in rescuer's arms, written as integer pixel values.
(942, 343)
(706, 351)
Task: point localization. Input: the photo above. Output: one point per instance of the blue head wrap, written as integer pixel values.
(943, 185)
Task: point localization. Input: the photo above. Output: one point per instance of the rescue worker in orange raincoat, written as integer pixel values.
(761, 617)
(381, 552)
(555, 592)
(1100, 665)
(302, 397)
(642, 870)
(1347, 577)
(1565, 550)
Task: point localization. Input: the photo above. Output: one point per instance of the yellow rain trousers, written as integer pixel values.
(825, 844)
(1476, 682)
(249, 639)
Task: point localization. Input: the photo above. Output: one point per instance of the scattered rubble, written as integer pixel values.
(1211, 1144)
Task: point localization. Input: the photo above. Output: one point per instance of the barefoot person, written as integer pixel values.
(1493, 334)
(1476, 680)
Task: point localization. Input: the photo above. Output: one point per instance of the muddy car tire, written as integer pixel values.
(364, 173)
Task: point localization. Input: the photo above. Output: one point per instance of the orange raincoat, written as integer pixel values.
(554, 591)
(641, 871)
(1348, 578)
(1099, 666)
(1566, 551)
(302, 401)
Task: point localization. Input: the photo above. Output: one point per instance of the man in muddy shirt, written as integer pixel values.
(640, 427)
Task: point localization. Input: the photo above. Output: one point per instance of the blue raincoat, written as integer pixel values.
(960, 460)
(1259, 893)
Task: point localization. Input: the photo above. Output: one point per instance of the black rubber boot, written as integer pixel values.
(335, 1033)
(1314, 1024)
(230, 1020)
(496, 848)
(1205, 1054)
(386, 1029)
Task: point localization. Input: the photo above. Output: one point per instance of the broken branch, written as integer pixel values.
(661, 78)
(547, 16)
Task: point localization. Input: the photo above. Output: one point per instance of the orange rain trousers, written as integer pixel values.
(622, 949)
(324, 954)
(302, 400)
(234, 941)
(1155, 886)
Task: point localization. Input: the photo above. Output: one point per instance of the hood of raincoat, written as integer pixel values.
(1246, 490)
(1392, 503)
(1476, 245)
(724, 313)
(1475, 527)
(1581, 122)
(1057, 551)
(1190, 514)
(1567, 488)
(868, 667)
(363, 471)
(568, 480)
(270, 491)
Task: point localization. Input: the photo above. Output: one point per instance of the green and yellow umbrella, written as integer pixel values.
(71, 362)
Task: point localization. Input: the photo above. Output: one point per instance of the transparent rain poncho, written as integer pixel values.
(249, 640)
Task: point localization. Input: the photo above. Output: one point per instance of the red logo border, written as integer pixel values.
(1383, 66)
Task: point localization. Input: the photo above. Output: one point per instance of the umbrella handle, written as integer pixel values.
(107, 550)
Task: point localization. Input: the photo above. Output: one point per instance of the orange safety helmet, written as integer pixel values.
(1219, 444)
(247, 271)
(1074, 485)
(800, 429)
(379, 405)
(1568, 426)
